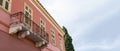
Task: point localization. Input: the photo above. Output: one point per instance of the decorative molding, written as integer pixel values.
(1, 22)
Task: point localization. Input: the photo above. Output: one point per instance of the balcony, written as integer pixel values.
(28, 29)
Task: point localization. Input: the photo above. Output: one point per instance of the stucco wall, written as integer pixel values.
(12, 43)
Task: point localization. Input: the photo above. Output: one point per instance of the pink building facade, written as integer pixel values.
(25, 25)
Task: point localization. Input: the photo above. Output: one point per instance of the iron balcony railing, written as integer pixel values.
(31, 25)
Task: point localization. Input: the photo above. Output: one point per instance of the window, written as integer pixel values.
(1, 1)
(28, 16)
(5, 4)
(42, 29)
(53, 37)
(60, 41)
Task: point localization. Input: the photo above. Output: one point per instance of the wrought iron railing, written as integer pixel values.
(20, 16)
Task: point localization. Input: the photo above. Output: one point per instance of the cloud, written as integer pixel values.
(104, 29)
(104, 45)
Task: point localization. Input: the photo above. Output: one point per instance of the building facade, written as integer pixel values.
(25, 25)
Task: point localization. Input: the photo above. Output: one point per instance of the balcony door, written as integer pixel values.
(28, 16)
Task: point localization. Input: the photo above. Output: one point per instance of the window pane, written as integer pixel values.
(8, 0)
(1, 1)
(29, 16)
(29, 10)
(26, 20)
(26, 13)
(26, 7)
(29, 22)
(6, 5)
(53, 37)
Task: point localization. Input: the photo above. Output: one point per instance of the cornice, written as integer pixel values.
(41, 8)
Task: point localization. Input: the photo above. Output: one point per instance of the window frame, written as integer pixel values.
(1, 3)
(43, 24)
(53, 37)
(60, 42)
(29, 14)
(3, 6)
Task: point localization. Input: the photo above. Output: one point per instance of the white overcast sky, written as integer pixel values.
(93, 24)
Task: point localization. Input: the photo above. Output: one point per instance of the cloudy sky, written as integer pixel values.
(93, 24)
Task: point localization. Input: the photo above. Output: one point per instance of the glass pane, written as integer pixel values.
(26, 7)
(8, 0)
(26, 18)
(29, 16)
(26, 13)
(1, 1)
(29, 10)
(6, 5)
(29, 22)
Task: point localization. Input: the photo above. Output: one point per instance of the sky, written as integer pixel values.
(94, 25)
